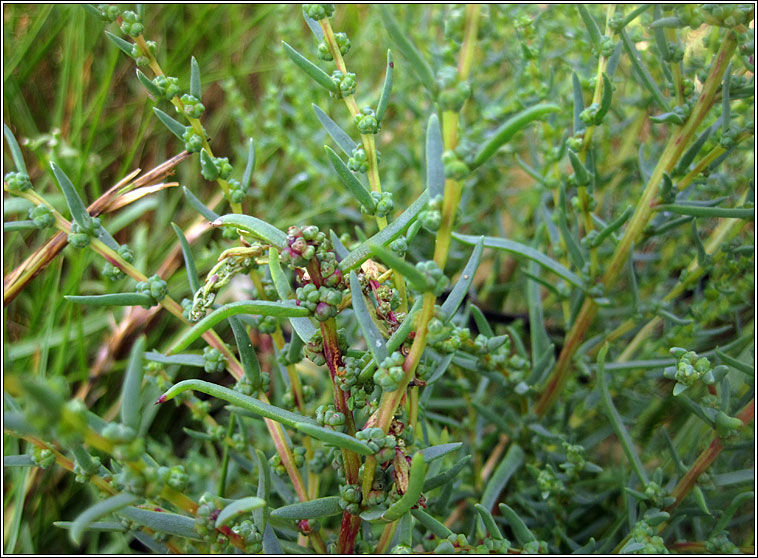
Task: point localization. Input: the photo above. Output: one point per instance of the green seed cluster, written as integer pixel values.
(109, 12)
(342, 42)
(345, 84)
(382, 444)
(141, 57)
(251, 537)
(112, 272)
(436, 281)
(326, 415)
(314, 349)
(729, 15)
(358, 160)
(79, 237)
(454, 167)
(193, 108)
(18, 181)
(42, 216)
(383, 204)
(453, 91)
(318, 11)
(322, 301)
(288, 399)
(237, 193)
(431, 217)
(350, 498)
(168, 86)
(720, 544)
(193, 142)
(244, 386)
(205, 516)
(399, 246)
(366, 121)
(214, 361)
(42, 457)
(131, 24)
(644, 533)
(390, 373)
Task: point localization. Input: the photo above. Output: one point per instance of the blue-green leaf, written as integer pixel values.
(174, 127)
(254, 226)
(321, 507)
(412, 493)
(522, 532)
(435, 170)
(18, 158)
(387, 89)
(195, 89)
(125, 46)
(75, 204)
(189, 260)
(165, 522)
(417, 64)
(104, 507)
(371, 332)
(247, 176)
(113, 299)
(132, 386)
(237, 508)
(349, 180)
(181, 360)
(340, 136)
(149, 85)
(248, 358)
(317, 74)
(460, 290)
(199, 206)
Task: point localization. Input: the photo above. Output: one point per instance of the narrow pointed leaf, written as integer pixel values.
(251, 404)
(416, 62)
(415, 485)
(125, 46)
(317, 74)
(510, 128)
(481, 321)
(520, 530)
(271, 544)
(460, 290)
(387, 89)
(589, 21)
(389, 233)
(578, 103)
(75, 204)
(518, 249)
(441, 368)
(199, 206)
(736, 364)
(256, 227)
(109, 505)
(435, 170)
(340, 136)
(174, 127)
(195, 89)
(537, 331)
(339, 248)
(113, 299)
(415, 278)
(321, 507)
(349, 180)
(189, 260)
(258, 307)
(435, 452)
(92, 10)
(130, 392)
(512, 462)
(337, 439)
(247, 176)
(248, 358)
(315, 27)
(605, 101)
(19, 226)
(18, 461)
(302, 326)
(165, 522)
(700, 211)
(581, 173)
(371, 333)
(18, 158)
(264, 489)
(643, 72)
(693, 150)
(149, 85)
(489, 522)
(238, 508)
(95, 526)
(431, 523)
(181, 360)
(613, 226)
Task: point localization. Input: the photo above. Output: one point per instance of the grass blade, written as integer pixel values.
(259, 307)
(371, 332)
(509, 129)
(435, 170)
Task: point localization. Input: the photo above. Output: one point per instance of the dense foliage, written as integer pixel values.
(450, 279)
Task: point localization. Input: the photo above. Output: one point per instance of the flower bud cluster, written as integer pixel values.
(79, 237)
(390, 373)
(154, 287)
(318, 11)
(345, 84)
(42, 216)
(18, 181)
(131, 24)
(111, 271)
(342, 42)
(383, 204)
(214, 360)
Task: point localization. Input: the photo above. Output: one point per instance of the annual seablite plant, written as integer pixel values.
(437, 378)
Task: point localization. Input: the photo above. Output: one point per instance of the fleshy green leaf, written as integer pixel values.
(700, 211)
(104, 507)
(248, 358)
(19, 226)
(125, 46)
(435, 452)
(132, 386)
(174, 127)
(95, 526)
(199, 206)
(271, 544)
(412, 493)
(237, 508)
(337, 439)
(415, 278)
(387, 89)
(18, 461)
(389, 233)
(512, 462)
(520, 530)
(254, 226)
(349, 180)
(195, 89)
(489, 522)
(643, 72)
(189, 260)
(371, 332)
(303, 327)
(435, 170)
(460, 290)
(431, 523)
(247, 176)
(113, 299)
(317, 74)
(75, 204)
(578, 103)
(18, 158)
(258, 307)
(340, 136)
(516, 248)
(181, 360)
(591, 24)
(510, 128)
(165, 522)
(321, 507)
(149, 85)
